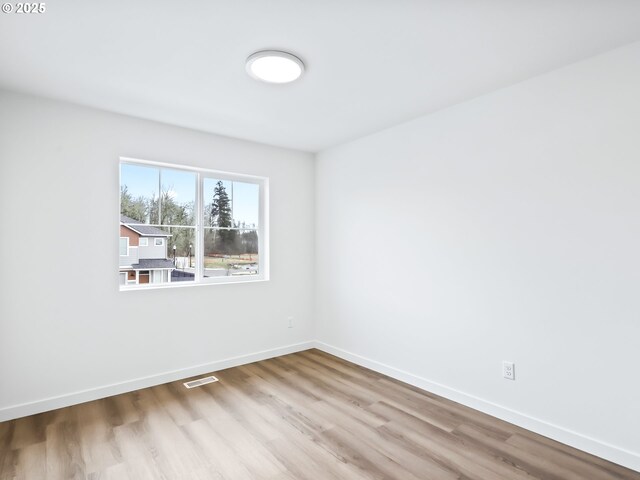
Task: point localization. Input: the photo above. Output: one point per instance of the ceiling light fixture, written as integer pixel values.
(273, 66)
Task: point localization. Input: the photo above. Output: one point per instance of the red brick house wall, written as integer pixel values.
(133, 236)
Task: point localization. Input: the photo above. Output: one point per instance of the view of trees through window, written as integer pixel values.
(230, 226)
(158, 208)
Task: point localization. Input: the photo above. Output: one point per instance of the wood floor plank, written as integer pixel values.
(63, 451)
(542, 467)
(97, 443)
(138, 451)
(31, 462)
(27, 432)
(249, 450)
(561, 458)
(115, 472)
(212, 444)
(308, 415)
(300, 464)
(173, 452)
(242, 408)
(7, 455)
(531, 437)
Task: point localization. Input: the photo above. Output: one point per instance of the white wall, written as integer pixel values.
(505, 228)
(64, 326)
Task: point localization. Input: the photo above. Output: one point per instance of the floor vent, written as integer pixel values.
(200, 382)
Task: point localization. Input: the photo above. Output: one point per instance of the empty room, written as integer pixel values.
(330, 240)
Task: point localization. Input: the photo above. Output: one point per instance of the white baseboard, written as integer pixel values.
(582, 442)
(46, 404)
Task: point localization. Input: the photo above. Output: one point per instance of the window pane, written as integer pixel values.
(178, 197)
(139, 186)
(181, 249)
(157, 196)
(124, 246)
(246, 198)
(230, 204)
(230, 252)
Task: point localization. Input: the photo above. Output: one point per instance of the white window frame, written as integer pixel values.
(126, 254)
(161, 242)
(263, 225)
(146, 242)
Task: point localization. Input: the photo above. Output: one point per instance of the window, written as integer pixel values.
(124, 246)
(206, 226)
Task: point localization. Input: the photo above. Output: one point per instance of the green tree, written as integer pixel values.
(221, 216)
(164, 210)
(135, 208)
(171, 212)
(249, 242)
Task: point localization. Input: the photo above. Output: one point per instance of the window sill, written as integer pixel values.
(204, 283)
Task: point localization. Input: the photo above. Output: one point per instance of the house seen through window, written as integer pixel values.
(182, 225)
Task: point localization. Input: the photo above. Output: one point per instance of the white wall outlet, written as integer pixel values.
(508, 370)
(290, 322)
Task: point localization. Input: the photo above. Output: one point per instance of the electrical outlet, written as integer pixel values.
(290, 322)
(508, 370)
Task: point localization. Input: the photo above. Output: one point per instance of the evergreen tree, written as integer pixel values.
(221, 217)
(221, 207)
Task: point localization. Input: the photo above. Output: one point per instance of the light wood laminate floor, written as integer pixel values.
(307, 415)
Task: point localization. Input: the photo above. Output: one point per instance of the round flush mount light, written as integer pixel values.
(273, 66)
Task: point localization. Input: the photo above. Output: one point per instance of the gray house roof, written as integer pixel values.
(141, 228)
(128, 220)
(152, 263)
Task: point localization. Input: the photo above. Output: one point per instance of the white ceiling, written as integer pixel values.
(370, 63)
